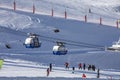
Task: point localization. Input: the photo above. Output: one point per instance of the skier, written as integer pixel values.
(66, 65)
(83, 76)
(98, 73)
(79, 66)
(73, 69)
(89, 67)
(50, 66)
(48, 71)
(84, 66)
(93, 67)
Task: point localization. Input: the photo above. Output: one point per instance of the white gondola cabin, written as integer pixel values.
(115, 46)
(32, 41)
(59, 49)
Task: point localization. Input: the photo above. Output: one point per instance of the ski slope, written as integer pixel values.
(20, 61)
(108, 10)
(19, 68)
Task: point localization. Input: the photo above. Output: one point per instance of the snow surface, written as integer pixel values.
(18, 68)
(19, 61)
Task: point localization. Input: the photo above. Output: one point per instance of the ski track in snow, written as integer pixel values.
(12, 20)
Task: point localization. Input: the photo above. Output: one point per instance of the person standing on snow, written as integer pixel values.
(79, 66)
(50, 66)
(89, 67)
(84, 66)
(66, 65)
(48, 71)
(98, 73)
(73, 69)
(93, 67)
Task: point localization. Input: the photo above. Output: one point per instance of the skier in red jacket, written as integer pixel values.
(80, 66)
(66, 65)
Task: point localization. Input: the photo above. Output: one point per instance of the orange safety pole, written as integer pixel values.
(14, 5)
(85, 18)
(117, 24)
(65, 14)
(100, 21)
(52, 12)
(33, 9)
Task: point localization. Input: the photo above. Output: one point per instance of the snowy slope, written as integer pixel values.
(108, 10)
(20, 68)
(14, 26)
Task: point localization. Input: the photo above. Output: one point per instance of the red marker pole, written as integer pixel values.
(33, 9)
(14, 5)
(52, 12)
(85, 18)
(65, 14)
(117, 24)
(100, 21)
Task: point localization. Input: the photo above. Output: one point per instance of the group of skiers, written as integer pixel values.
(81, 66)
(91, 67)
(84, 66)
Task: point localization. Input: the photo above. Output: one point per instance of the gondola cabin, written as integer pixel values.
(59, 49)
(32, 41)
(115, 46)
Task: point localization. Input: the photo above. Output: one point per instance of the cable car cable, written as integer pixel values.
(68, 42)
(72, 42)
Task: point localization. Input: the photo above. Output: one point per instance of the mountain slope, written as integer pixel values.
(14, 26)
